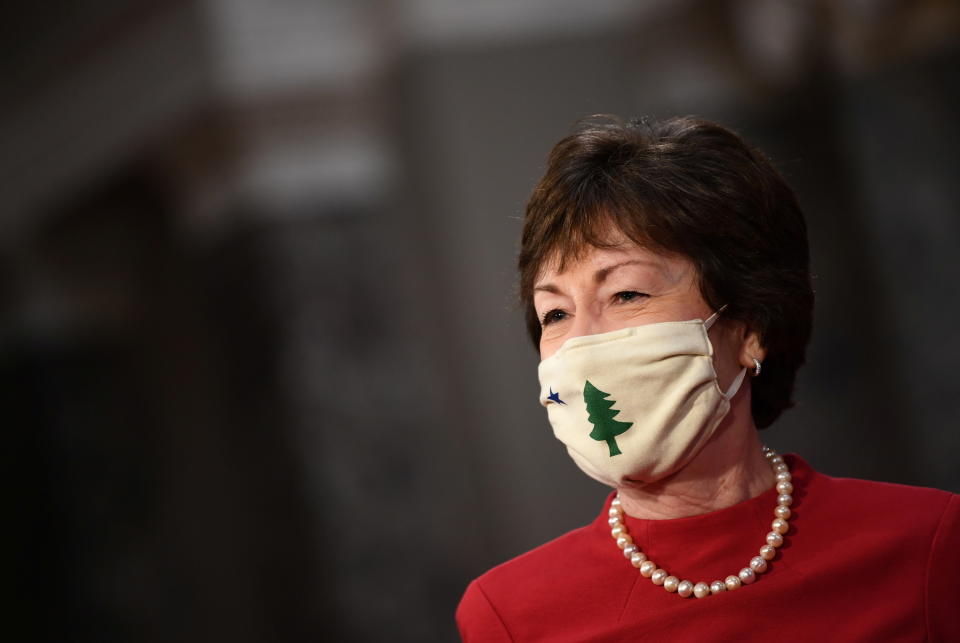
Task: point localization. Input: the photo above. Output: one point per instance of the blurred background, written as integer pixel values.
(263, 375)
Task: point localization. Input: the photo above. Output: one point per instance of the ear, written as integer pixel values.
(751, 349)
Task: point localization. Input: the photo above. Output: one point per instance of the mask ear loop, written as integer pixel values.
(713, 318)
(735, 386)
(738, 380)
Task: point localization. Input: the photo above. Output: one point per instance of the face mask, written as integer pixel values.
(635, 404)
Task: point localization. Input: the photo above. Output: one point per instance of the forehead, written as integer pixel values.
(589, 261)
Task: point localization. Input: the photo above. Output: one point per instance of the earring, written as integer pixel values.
(756, 369)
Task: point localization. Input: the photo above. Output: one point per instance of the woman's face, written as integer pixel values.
(628, 285)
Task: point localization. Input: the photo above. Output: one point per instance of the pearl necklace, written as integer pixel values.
(758, 564)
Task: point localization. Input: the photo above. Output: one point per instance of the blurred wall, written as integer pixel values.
(264, 373)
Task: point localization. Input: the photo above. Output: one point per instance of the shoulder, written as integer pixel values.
(896, 504)
(545, 585)
(489, 607)
(562, 560)
(912, 532)
(825, 494)
(883, 516)
(917, 531)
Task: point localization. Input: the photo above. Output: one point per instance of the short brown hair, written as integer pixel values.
(688, 186)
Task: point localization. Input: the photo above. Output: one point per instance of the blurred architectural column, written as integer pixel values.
(899, 99)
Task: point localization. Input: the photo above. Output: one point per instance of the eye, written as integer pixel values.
(551, 316)
(628, 296)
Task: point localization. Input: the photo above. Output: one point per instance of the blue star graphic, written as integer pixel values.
(555, 397)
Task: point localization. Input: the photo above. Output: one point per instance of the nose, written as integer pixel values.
(586, 322)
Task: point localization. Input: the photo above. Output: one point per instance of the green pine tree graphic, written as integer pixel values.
(601, 415)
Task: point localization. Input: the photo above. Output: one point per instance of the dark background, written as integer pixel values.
(262, 371)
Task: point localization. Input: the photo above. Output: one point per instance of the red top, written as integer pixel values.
(863, 561)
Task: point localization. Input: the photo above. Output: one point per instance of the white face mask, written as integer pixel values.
(635, 404)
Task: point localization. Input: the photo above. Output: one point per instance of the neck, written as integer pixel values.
(729, 469)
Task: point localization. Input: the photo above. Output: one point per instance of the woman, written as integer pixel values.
(665, 273)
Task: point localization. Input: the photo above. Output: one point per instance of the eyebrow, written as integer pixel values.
(600, 275)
